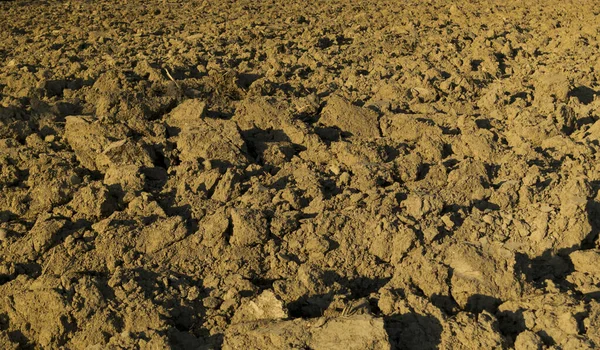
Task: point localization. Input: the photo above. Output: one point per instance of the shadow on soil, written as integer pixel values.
(407, 331)
(554, 266)
(413, 331)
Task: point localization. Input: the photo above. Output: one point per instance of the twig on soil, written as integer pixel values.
(48, 262)
(173, 80)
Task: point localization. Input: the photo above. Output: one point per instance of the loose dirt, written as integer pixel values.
(274, 175)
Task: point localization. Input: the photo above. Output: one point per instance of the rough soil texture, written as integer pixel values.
(330, 174)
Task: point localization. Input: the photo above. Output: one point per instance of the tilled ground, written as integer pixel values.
(324, 175)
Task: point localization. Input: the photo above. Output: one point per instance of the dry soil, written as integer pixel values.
(299, 175)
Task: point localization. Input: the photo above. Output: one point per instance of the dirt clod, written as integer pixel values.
(335, 174)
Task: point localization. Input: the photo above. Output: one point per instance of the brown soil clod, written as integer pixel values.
(299, 175)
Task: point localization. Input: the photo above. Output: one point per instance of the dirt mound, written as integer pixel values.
(261, 175)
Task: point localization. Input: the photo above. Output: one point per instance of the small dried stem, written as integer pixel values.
(171, 77)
